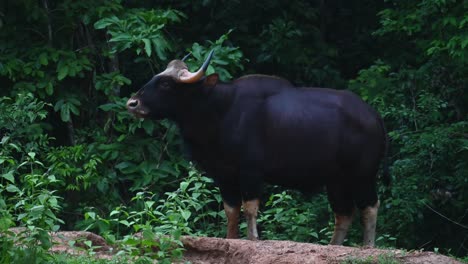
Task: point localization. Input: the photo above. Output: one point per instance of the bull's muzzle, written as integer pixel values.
(132, 103)
(135, 107)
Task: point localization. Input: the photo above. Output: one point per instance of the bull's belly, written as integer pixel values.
(302, 179)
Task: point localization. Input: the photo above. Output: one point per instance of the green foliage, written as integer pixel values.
(76, 169)
(158, 223)
(107, 82)
(27, 199)
(444, 19)
(66, 107)
(149, 246)
(141, 30)
(292, 216)
(226, 61)
(425, 110)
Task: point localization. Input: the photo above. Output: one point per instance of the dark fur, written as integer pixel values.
(262, 129)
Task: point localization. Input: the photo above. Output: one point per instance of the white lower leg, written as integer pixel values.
(369, 222)
(251, 211)
(342, 224)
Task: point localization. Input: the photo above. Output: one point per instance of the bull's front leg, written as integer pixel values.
(232, 215)
(230, 192)
(251, 188)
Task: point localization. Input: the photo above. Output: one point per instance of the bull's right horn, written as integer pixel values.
(189, 77)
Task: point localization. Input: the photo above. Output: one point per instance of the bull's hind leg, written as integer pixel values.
(251, 211)
(366, 200)
(342, 224)
(369, 222)
(342, 204)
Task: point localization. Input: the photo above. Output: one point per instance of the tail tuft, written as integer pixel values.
(386, 171)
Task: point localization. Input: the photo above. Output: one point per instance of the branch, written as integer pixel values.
(49, 24)
(443, 216)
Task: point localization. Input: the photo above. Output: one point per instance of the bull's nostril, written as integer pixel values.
(132, 103)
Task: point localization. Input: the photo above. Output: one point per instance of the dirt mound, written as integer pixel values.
(201, 250)
(216, 250)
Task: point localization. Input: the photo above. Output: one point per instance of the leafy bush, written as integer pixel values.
(150, 227)
(28, 199)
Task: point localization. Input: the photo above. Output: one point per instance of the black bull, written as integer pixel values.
(263, 129)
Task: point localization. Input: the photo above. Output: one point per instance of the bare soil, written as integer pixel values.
(217, 250)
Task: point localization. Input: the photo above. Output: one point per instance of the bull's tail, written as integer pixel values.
(385, 167)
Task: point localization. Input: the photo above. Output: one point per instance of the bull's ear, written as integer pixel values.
(211, 80)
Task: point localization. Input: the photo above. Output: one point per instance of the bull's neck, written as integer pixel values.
(202, 112)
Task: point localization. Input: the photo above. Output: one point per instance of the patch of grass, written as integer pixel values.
(381, 259)
(85, 259)
(462, 259)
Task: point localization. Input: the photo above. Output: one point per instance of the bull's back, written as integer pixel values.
(310, 135)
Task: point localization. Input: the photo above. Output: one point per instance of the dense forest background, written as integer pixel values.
(72, 158)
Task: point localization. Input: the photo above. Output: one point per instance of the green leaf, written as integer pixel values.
(186, 215)
(65, 113)
(62, 72)
(49, 88)
(103, 23)
(58, 105)
(91, 215)
(5, 224)
(53, 201)
(148, 234)
(4, 139)
(147, 46)
(9, 176)
(71, 243)
(109, 107)
(126, 223)
(183, 186)
(123, 165)
(12, 188)
(314, 234)
(38, 208)
(123, 37)
(114, 212)
(149, 204)
(88, 243)
(148, 126)
(43, 59)
(74, 109)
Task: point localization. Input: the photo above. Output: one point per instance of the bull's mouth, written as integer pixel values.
(139, 113)
(135, 107)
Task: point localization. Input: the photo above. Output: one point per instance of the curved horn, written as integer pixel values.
(186, 56)
(189, 77)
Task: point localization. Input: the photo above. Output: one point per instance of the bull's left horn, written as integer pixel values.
(188, 77)
(186, 56)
